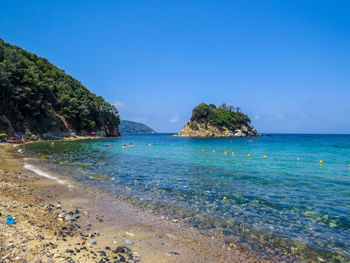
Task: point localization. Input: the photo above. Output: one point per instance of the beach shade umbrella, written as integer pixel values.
(4, 134)
(97, 132)
(93, 133)
(18, 133)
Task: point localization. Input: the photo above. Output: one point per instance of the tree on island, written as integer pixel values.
(225, 115)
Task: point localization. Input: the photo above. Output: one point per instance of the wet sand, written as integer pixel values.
(57, 223)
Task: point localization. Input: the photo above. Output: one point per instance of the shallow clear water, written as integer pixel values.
(295, 207)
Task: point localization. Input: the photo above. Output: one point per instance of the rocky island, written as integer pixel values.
(223, 121)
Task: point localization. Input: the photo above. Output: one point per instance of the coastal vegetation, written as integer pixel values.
(224, 115)
(134, 127)
(36, 97)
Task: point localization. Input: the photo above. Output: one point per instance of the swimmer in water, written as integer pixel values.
(131, 145)
(124, 146)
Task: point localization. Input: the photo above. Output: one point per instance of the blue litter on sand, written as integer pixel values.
(10, 220)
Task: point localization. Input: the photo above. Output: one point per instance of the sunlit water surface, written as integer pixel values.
(277, 204)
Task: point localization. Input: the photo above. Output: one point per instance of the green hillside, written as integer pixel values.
(36, 97)
(134, 127)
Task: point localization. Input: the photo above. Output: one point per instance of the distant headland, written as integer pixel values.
(223, 121)
(127, 127)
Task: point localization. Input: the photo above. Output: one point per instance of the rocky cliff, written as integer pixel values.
(208, 130)
(224, 121)
(42, 101)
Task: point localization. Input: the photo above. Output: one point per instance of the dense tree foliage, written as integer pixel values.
(133, 127)
(224, 115)
(36, 95)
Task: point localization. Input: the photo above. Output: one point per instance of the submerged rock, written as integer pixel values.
(101, 177)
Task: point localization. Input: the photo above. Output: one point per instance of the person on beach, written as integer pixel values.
(124, 146)
(131, 145)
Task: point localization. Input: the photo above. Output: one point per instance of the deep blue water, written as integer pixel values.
(295, 207)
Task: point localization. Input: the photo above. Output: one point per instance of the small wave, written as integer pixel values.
(43, 174)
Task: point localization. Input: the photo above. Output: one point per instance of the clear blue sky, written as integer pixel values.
(285, 63)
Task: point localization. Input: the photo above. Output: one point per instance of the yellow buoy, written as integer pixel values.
(248, 154)
(233, 153)
(321, 162)
(202, 150)
(298, 159)
(265, 156)
(213, 151)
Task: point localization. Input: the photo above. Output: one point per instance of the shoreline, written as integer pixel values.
(148, 238)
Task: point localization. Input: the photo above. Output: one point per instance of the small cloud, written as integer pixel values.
(119, 104)
(174, 119)
(304, 116)
(279, 116)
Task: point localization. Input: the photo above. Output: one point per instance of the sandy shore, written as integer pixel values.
(57, 223)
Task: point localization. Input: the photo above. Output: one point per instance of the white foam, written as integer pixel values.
(43, 174)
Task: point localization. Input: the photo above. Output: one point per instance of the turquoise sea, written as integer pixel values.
(298, 209)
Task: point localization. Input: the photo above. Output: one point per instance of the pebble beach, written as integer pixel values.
(58, 223)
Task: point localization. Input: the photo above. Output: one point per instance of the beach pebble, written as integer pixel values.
(171, 236)
(121, 249)
(93, 242)
(57, 255)
(69, 218)
(128, 242)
